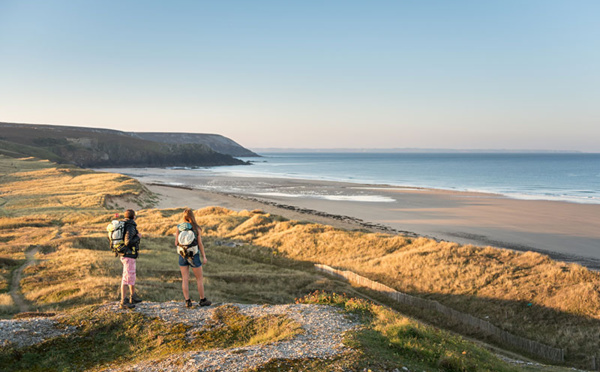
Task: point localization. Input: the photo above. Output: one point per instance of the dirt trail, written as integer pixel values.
(15, 292)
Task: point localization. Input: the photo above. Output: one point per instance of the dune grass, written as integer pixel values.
(38, 191)
(41, 201)
(7, 304)
(258, 258)
(527, 294)
(83, 271)
(75, 268)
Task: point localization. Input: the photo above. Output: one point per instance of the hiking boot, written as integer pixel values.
(126, 305)
(188, 303)
(205, 302)
(135, 299)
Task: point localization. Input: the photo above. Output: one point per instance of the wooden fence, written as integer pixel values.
(529, 346)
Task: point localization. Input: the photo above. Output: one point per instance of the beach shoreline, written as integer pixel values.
(565, 231)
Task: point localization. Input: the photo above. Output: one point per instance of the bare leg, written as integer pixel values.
(185, 278)
(123, 285)
(199, 276)
(131, 290)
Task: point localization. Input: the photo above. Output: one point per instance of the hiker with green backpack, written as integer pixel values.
(189, 247)
(125, 242)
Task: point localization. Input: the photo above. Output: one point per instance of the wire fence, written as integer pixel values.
(521, 343)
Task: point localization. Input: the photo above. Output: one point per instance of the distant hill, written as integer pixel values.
(216, 142)
(94, 147)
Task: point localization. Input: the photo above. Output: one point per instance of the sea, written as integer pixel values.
(570, 177)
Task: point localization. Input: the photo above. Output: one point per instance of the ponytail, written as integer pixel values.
(188, 216)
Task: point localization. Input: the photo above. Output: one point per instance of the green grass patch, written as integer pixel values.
(7, 268)
(103, 337)
(16, 223)
(390, 340)
(120, 338)
(229, 328)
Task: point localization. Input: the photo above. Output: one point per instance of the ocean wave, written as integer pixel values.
(558, 198)
(355, 198)
(566, 177)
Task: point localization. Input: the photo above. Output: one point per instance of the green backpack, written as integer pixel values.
(116, 236)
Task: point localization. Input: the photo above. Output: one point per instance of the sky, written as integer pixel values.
(506, 74)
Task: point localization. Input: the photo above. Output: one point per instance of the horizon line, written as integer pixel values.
(409, 149)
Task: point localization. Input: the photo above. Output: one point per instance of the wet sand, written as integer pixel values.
(566, 231)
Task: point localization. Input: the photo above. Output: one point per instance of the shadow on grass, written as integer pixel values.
(577, 335)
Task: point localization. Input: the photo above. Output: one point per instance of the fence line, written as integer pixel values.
(530, 346)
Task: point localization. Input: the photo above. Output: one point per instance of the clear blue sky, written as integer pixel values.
(504, 74)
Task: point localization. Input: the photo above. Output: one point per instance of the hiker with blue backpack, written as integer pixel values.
(189, 247)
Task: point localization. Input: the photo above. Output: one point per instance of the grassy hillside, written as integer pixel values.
(527, 294)
(89, 147)
(216, 142)
(258, 258)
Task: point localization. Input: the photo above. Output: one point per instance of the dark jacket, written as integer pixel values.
(131, 240)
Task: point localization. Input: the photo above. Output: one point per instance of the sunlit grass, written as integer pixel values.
(34, 187)
(525, 293)
(7, 305)
(229, 328)
(389, 340)
(258, 258)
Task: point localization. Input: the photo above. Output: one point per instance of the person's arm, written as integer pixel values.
(201, 246)
(132, 237)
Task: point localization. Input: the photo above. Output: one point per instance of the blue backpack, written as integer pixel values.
(187, 241)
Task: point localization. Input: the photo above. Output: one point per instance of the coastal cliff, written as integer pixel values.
(216, 142)
(93, 147)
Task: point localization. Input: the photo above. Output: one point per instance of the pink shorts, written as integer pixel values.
(128, 270)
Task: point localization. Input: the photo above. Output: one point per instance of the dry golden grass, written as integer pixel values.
(61, 211)
(526, 293)
(82, 270)
(41, 203)
(7, 305)
(502, 285)
(34, 188)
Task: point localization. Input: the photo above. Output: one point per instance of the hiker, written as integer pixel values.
(189, 246)
(132, 240)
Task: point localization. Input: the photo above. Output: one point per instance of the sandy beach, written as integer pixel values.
(565, 231)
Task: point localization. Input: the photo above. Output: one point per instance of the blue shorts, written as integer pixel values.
(195, 260)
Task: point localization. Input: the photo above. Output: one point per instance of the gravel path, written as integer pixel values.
(15, 289)
(30, 331)
(323, 326)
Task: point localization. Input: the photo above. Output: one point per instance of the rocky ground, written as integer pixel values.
(30, 331)
(323, 327)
